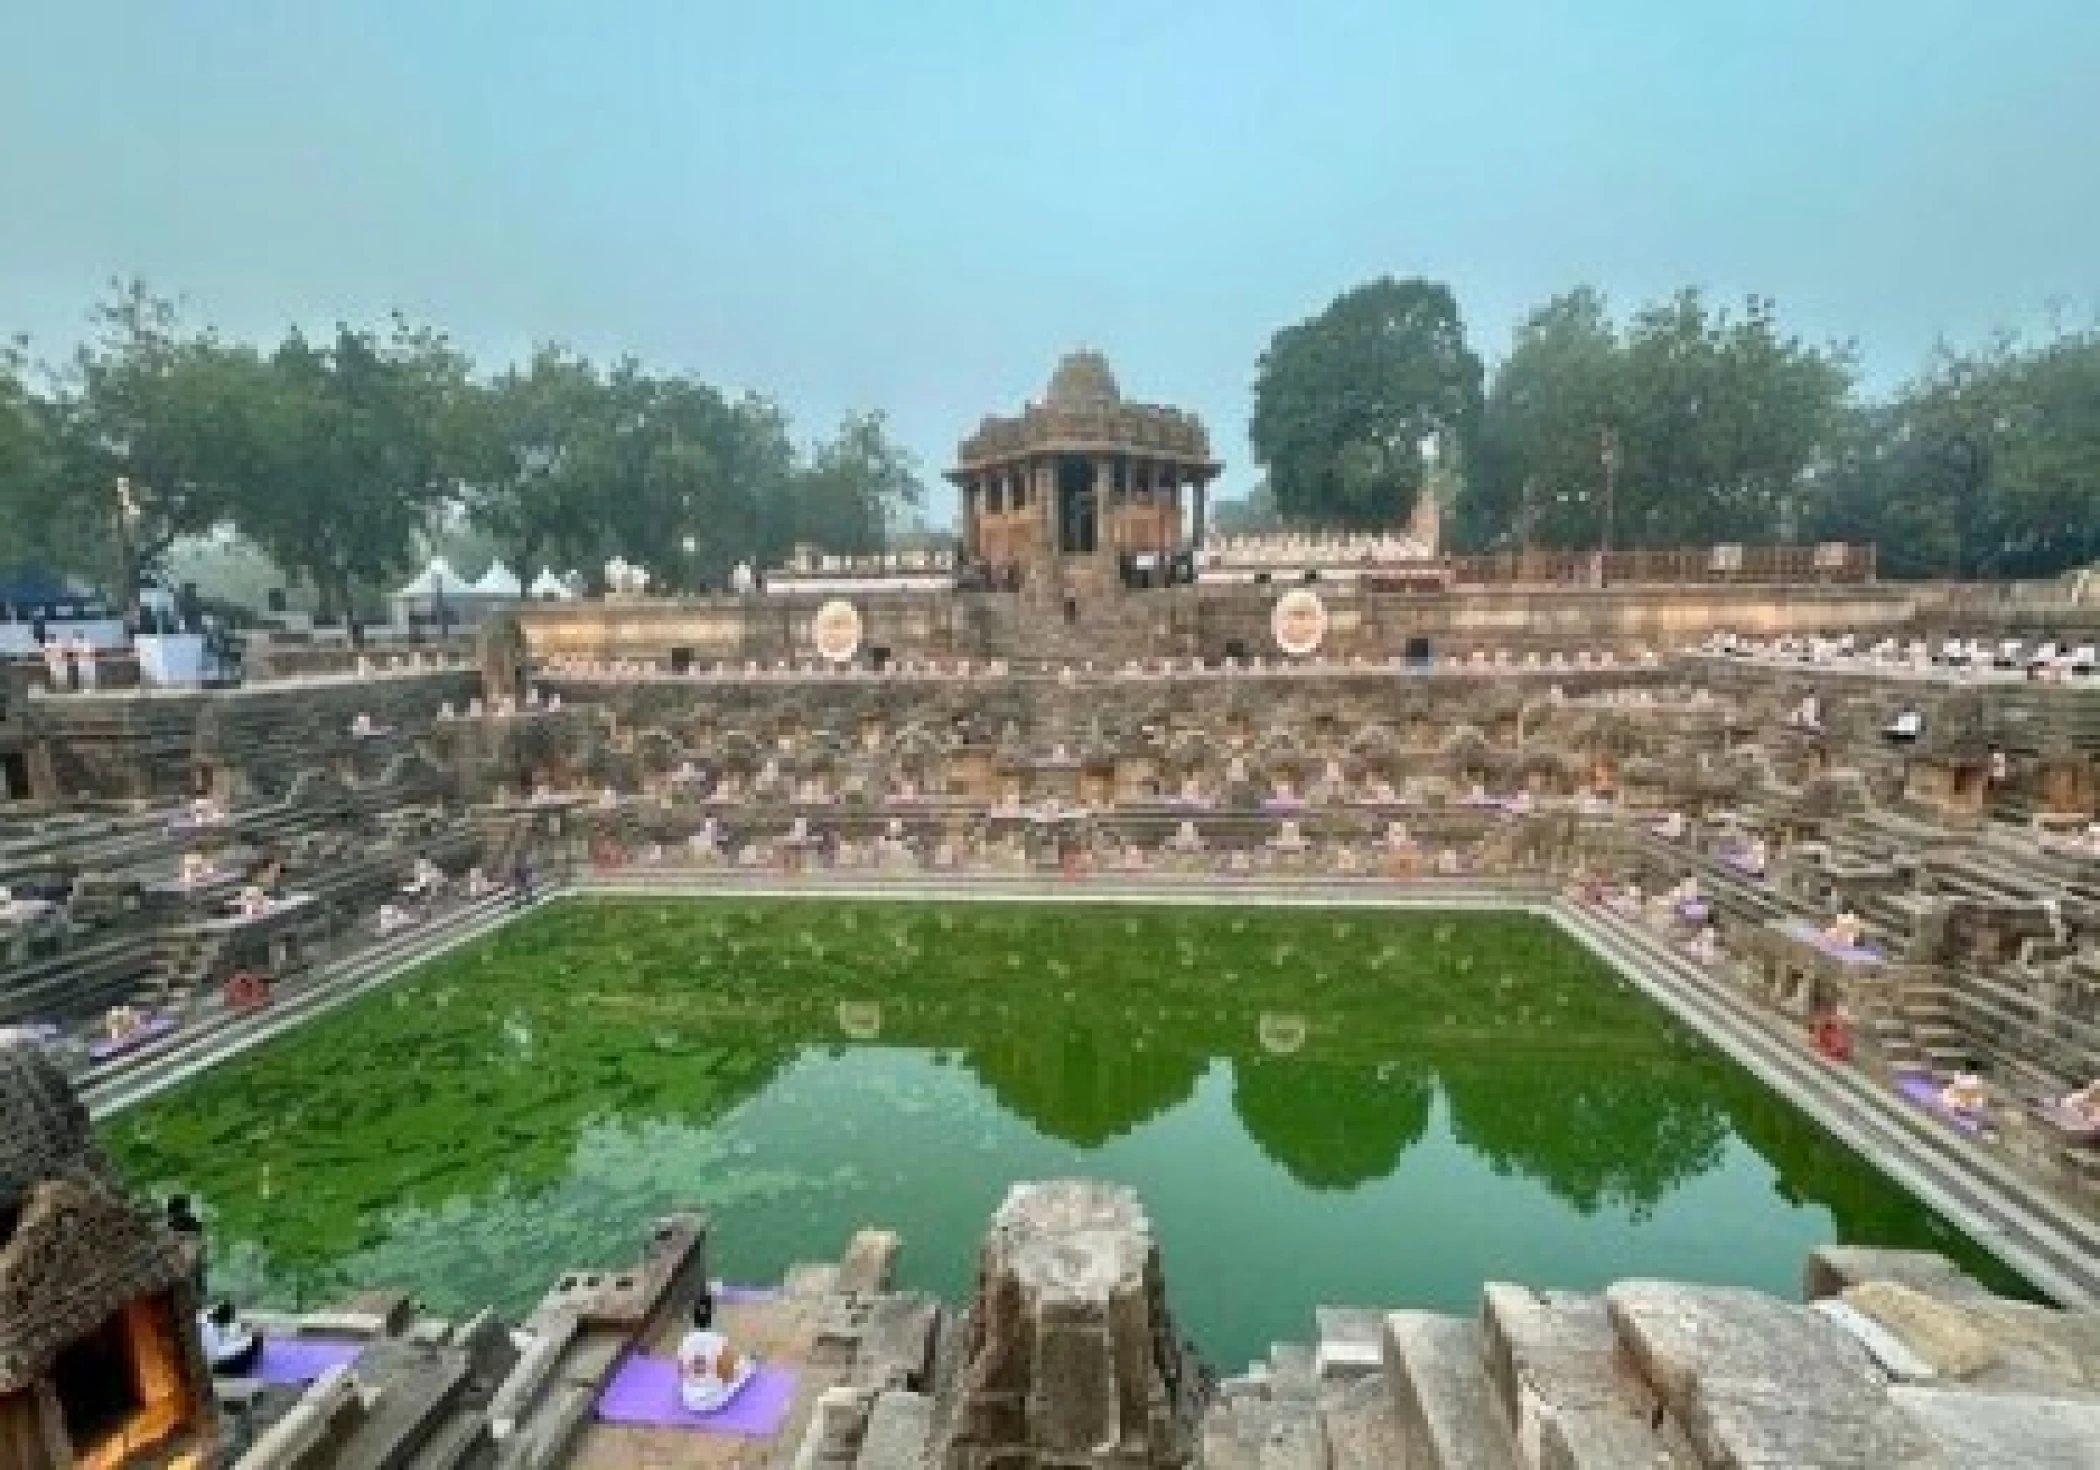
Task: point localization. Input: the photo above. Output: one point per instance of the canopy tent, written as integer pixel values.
(547, 587)
(438, 577)
(498, 581)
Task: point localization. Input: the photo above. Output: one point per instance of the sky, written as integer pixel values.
(918, 205)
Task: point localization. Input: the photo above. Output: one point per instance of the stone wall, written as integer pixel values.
(1205, 621)
(249, 741)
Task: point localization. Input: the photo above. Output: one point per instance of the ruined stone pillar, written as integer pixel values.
(1069, 1357)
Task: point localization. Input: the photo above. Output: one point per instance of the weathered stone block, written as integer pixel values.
(1068, 1357)
(1754, 1381)
(1991, 1431)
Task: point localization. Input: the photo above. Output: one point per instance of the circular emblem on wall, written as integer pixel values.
(1298, 621)
(835, 630)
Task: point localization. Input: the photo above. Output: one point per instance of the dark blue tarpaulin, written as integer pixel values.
(23, 588)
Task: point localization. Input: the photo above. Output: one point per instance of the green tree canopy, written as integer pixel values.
(1714, 422)
(530, 433)
(354, 445)
(27, 527)
(1344, 401)
(152, 436)
(1985, 465)
(858, 487)
(1251, 514)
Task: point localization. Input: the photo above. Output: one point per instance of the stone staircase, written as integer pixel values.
(1534, 1380)
(1650, 1375)
(2056, 1243)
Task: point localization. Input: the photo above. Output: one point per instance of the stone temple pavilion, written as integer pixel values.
(1083, 478)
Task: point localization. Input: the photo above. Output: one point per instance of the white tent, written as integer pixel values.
(547, 587)
(498, 582)
(437, 577)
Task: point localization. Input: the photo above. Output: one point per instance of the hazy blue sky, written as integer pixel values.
(918, 204)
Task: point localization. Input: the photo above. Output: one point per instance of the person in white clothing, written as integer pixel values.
(710, 1371)
(231, 1347)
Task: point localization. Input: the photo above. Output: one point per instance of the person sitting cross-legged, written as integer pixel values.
(710, 1371)
(231, 1347)
(2083, 1105)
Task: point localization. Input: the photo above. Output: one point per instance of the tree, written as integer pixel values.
(1538, 472)
(1251, 514)
(1719, 421)
(529, 437)
(151, 434)
(1722, 416)
(28, 529)
(1344, 401)
(1987, 464)
(856, 487)
(359, 443)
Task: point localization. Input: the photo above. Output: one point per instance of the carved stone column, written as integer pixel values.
(1069, 1357)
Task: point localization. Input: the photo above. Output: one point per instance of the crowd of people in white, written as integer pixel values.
(1313, 550)
(2044, 659)
(1529, 661)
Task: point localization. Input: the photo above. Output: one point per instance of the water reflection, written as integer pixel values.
(1281, 1086)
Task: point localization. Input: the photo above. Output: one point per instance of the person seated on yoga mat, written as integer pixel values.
(231, 1347)
(1845, 931)
(1705, 946)
(1965, 1096)
(710, 1371)
(2083, 1105)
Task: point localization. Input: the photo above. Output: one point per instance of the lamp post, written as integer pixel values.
(1608, 456)
(691, 544)
(127, 556)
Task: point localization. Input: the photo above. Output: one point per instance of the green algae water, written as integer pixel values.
(1317, 1106)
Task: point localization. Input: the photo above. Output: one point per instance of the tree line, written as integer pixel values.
(1682, 423)
(340, 456)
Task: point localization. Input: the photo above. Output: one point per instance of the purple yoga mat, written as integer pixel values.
(302, 1359)
(645, 1391)
(151, 1030)
(726, 1293)
(1923, 1090)
(1854, 954)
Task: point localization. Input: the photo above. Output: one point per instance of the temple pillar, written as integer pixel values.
(1168, 492)
(1202, 509)
(1104, 504)
(1044, 489)
(972, 510)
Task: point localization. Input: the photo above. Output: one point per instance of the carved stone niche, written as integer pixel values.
(1069, 1356)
